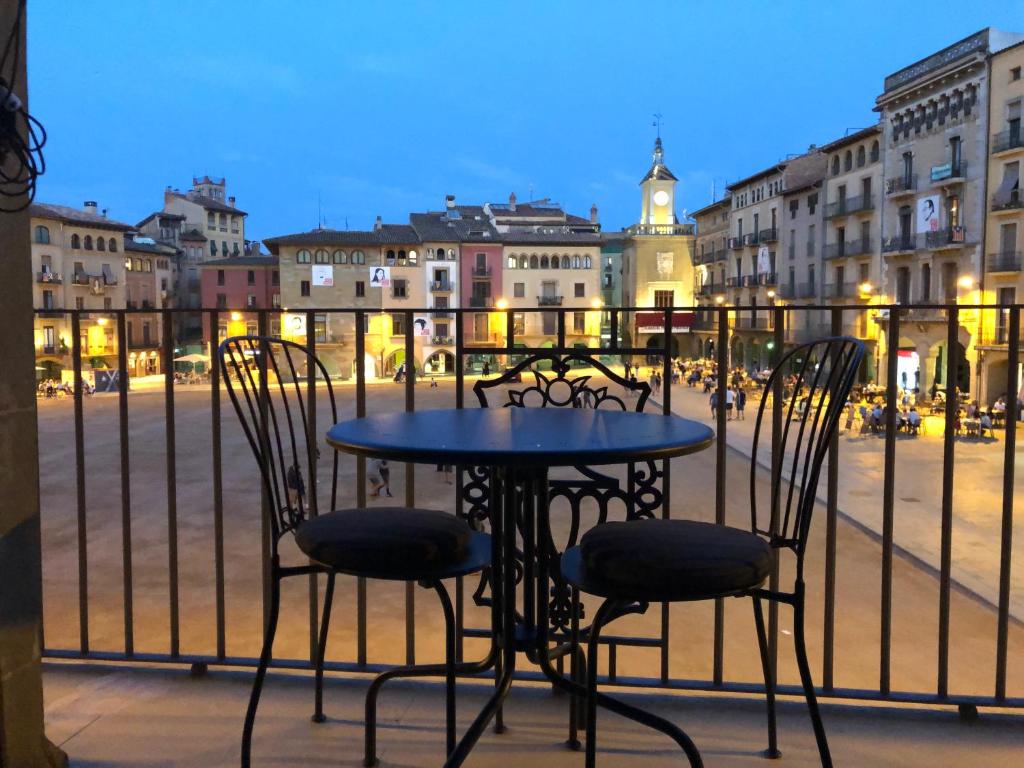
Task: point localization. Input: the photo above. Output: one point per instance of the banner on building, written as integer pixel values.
(380, 277)
(294, 326)
(323, 275)
(421, 326)
(764, 261)
(928, 214)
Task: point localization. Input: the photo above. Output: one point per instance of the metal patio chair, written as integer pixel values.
(631, 564)
(263, 379)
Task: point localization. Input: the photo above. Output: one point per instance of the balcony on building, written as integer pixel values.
(549, 301)
(735, 243)
(442, 341)
(759, 323)
(751, 239)
(949, 173)
(1007, 203)
(1007, 141)
(440, 313)
(733, 282)
(749, 280)
(841, 291)
(660, 229)
(952, 237)
(849, 248)
(795, 291)
(479, 271)
(1005, 261)
(850, 205)
(48, 276)
(901, 186)
(480, 301)
(767, 278)
(900, 244)
(441, 286)
(769, 235)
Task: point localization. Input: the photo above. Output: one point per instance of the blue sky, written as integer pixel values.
(385, 107)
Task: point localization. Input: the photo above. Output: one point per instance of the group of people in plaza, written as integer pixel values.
(51, 388)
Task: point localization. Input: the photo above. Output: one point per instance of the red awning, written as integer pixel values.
(654, 322)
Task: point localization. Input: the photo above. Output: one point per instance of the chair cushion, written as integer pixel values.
(385, 542)
(668, 560)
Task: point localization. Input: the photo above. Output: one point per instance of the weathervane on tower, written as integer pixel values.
(657, 123)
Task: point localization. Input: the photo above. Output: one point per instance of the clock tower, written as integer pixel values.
(658, 187)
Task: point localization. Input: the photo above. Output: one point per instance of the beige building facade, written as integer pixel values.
(208, 209)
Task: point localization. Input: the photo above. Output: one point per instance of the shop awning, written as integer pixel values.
(654, 322)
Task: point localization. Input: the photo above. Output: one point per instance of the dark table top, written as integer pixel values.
(520, 436)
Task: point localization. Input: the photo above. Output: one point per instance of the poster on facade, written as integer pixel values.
(323, 275)
(421, 326)
(764, 261)
(928, 214)
(380, 277)
(293, 326)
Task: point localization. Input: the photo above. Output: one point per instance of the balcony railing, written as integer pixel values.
(1005, 261)
(1006, 140)
(660, 229)
(945, 238)
(122, 619)
(48, 277)
(849, 205)
(441, 286)
(732, 282)
(1013, 201)
(481, 271)
(735, 243)
(901, 185)
(750, 239)
(841, 291)
(850, 248)
(948, 173)
(549, 301)
(749, 280)
(767, 278)
(440, 314)
(442, 341)
(905, 243)
(769, 235)
(480, 301)
(796, 291)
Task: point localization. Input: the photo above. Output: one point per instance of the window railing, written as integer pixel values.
(480, 301)
(849, 248)
(901, 184)
(48, 277)
(481, 271)
(120, 620)
(660, 229)
(735, 243)
(902, 243)
(1004, 261)
(941, 238)
(441, 286)
(769, 235)
(549, 301)
(751, 238)
(442, 341)
(1013, 201)
(849, 205)
(1005, 140)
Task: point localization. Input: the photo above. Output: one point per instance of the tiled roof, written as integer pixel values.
(397, 234)
(325, 237)
(724, 202)
(851, 138)
(659, 173)
(193, 235)
(241, 261)
(157, 248)
(209, 203)
(160, 215)
(777, 168)
(76, 216)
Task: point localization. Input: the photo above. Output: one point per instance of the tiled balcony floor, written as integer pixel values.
(142, 717)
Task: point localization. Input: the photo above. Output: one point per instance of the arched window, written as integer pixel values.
(545, 262)
(390, 258)
(554, 262)
(835, 165)
(42, 235)
(322, 257)
(587, 262)
(848, 161)
(861, 156)
(302, 257)
(340, 257)
(128, 264)
(576, 261)
(112, 245)
(88, 242)
(451, 253)
(534, 261)
(522, 262)
(512, 261)
(76, 241)
(137, 265)
(401, 257)
(874, 151)
(101, 244)
(358, 257)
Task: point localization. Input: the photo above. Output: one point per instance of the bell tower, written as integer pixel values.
(658, 189)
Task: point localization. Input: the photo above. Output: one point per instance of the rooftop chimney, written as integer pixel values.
(593, 214)
(512, 201)
(378, 225)
(449, 201)
(231, 201)
(89, 206)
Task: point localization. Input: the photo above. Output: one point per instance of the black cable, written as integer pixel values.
(22, 136)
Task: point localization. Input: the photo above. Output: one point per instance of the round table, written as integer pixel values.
(518, 445)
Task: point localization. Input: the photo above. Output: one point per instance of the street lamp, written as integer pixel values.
(501, 304)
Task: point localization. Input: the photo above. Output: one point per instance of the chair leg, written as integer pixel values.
(321, 651)
(769, 681)
(261, 670)
(449, 663)
(591, 710)
(576, 673)
(805, 679)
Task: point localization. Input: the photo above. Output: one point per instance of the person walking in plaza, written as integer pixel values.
(741, 403)
(380, 477)
(730, 397)
(714, 404)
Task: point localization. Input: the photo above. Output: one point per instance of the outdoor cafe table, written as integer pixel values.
(518, 446)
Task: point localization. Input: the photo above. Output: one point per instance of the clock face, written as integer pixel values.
(661, 197)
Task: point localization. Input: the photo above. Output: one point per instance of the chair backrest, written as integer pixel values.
(814, 380)
(267, 381)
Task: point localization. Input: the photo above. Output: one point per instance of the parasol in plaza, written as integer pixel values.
(192, 359)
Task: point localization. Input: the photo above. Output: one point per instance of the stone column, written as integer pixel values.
(22, 742)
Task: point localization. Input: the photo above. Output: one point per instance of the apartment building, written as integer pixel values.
(1004, 228)
(657, 264)
(239, 284)
(936, 118)
(710, 262)
(612, 245)
(341, 261)
(172, 229)
(440, 252)
(555, 271)
(148, 270)
(78, 263)
(207, 209)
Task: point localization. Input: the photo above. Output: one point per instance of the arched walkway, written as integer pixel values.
(441, 361)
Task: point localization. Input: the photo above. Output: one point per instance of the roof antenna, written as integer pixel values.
(657, 123)
(319, 212)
